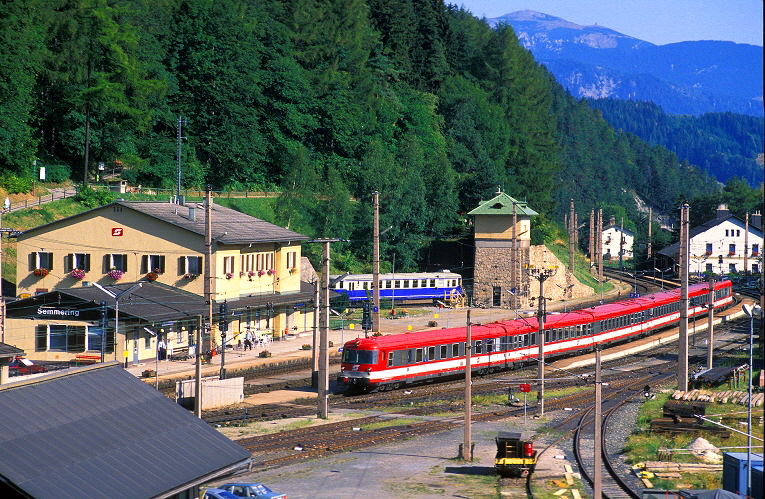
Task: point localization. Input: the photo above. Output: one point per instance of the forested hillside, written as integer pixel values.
(725, 144)
(322, 100)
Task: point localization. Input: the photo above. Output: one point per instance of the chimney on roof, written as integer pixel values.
(757, 219)
(612, 220)
(722, 210)
(193, 213)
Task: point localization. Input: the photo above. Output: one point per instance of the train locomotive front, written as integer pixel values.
(361, 358)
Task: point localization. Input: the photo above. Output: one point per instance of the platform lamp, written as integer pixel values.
(751, 312)
(116, 297)
(156, 358)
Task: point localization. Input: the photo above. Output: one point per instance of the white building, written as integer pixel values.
(616, 239)
(722, 246)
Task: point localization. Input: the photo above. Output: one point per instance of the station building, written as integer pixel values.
(725, 244)
(148, 260)
(617, 241)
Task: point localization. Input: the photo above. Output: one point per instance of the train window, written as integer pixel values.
(351, 356)
(444, 351)
(505, 342)
(424, 283)
(390, 359)
(366, 285)
(455, 349)
(387, 284)
(396, 284)
(415, 283)
(418, 355)
(432, 283)
(431, 353)
(406, 283)
(477, 347)
(490, 346)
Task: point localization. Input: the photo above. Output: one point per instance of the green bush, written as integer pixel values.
(93, 198)
(14, 184)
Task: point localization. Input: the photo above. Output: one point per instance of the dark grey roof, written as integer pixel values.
(100, 432)
(673, 250)
(228, 226)
(9, 351)
(153, 302)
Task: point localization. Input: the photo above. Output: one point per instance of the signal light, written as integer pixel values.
(528, 449)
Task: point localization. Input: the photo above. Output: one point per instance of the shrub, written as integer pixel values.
(14, 184)
(93, 198)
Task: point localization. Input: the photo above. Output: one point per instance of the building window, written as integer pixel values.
(116, 262)
(77, 261)
(709, 268)
(755, 250)
(709, 249)
(62, 338)
(265, 261)
(152, 263)
(228, 264)
(248, 262)
(291, 259)
(731, 267)
(191, 265)
(731, 249)
(40, 260)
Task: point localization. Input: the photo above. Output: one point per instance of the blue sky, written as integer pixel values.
(655, 21)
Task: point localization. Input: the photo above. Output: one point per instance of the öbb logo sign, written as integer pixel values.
(117, 231)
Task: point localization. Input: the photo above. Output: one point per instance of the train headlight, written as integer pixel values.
(369, 369)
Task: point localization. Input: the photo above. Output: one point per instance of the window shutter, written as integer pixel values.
(181, 265)
(87, 263)
(107, 263)
(124, 263)
(32, 261)
(68, 259)
(162, 263)
(145, 264)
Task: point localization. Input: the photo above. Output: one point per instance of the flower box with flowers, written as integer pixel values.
(41, 272)
(190, 276)
(261, 273)
(251, 274)
(306, 346)
(270, 271)
(292, 270)
(264, 354)
(153, 275)
(77, 274)
(229, 275)
(115, 274)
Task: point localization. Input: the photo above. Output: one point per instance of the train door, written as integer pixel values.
(496, 296)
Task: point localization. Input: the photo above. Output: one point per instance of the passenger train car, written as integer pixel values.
(391, 361)
(402, 286)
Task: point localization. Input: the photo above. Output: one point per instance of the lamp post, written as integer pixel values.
(662, 276)
(156, 358)
(116, 297)
(565, 291)
(750, 311)
(541, 275)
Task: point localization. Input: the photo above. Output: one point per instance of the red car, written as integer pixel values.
(21, 366)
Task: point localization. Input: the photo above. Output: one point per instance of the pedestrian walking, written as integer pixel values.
(247, 340)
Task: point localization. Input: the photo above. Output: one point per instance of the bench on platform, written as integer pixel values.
(85, 359)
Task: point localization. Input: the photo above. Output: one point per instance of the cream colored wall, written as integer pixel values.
(501, 227)
(91, 233)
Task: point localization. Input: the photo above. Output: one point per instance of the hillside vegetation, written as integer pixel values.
(324, 102)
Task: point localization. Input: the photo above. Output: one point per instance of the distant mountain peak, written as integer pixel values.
(542, 19)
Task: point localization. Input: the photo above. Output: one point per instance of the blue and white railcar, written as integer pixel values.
(402, 286)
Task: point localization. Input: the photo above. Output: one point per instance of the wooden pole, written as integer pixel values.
(467, 455)
(376, 264)
(682, 342)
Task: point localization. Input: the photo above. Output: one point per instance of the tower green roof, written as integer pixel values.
(502, 204)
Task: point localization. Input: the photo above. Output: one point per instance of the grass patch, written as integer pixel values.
(387, 424)
(545, 489)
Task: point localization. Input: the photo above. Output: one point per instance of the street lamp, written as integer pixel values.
(751, 312)
(156, 358)
(662, 276)
(116, 297)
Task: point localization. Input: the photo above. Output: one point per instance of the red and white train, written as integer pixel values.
(392, 361)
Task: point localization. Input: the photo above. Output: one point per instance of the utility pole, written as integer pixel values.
(198, 369)
(710, 321)
(467, 455)
(591, 242)
(682, 342)
(621, 245)
(181, 122)
(514, 259)
(541, 275)
(599, 250)
(650, 218)
(746, 244)
(598, 426)
(571, 237)
(323, 382)
(376, 263)
(314, 357)
(208, 262)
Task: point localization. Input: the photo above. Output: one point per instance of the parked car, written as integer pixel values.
(218, 494)
(21, 366)
(255, 490)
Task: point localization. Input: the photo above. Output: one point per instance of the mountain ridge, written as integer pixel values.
(691, 77)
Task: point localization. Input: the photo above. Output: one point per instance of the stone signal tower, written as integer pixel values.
(502, 243)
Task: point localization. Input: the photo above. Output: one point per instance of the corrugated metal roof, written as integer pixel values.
(100, 432)
(9, 351)
(502, 204)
